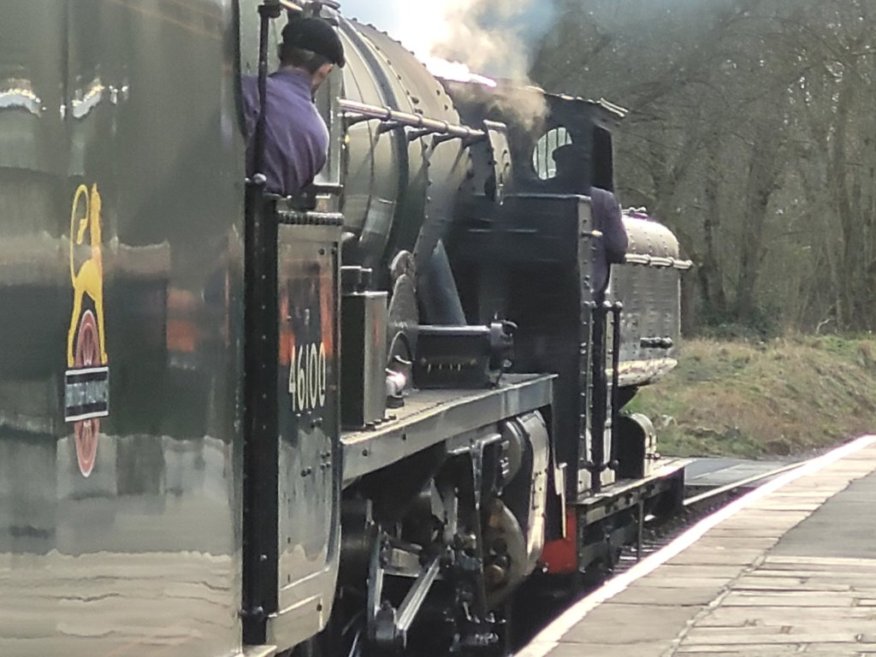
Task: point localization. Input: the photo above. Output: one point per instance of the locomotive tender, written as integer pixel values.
(230, 423)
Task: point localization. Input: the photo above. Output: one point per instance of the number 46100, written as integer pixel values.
(307, 377)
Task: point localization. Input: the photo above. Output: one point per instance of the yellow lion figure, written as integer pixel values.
(89, 279)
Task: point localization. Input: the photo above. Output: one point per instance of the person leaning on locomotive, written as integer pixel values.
(573, 176)
(296, 136)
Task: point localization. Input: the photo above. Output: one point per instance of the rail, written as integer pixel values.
(734, 486)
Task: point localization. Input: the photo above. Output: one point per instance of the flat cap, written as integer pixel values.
(315, 35)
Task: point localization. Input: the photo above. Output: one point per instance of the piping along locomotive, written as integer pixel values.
(230, 423)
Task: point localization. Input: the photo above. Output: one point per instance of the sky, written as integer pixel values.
(370, 10)
(387, 15)
(384, 14)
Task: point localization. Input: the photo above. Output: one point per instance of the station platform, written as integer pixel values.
(788, 569)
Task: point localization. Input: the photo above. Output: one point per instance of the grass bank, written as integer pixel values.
(785, 397)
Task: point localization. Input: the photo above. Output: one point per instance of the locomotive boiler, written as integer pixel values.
(352, 422)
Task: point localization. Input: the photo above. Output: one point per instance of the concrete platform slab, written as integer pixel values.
(835, 529)
(790, 569)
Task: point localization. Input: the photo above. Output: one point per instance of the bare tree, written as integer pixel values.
(750, 134)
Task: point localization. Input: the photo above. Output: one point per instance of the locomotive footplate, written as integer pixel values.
(432, 416)
(599, 525)
(615, 517)
(624, 494)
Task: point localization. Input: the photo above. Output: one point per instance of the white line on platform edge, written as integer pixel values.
(549, 638)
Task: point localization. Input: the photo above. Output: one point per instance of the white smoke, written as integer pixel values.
(459, 38)
(470, 41)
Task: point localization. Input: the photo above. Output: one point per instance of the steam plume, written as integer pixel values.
(469, 40)
(492, 37)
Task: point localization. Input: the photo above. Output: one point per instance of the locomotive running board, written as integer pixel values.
(430, 417)
(598, 523)
(627, 493)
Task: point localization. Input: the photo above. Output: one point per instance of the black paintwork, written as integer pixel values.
(137, 99)
(529, 264)
(261, 418)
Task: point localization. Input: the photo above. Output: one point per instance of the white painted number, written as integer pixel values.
(307, 378)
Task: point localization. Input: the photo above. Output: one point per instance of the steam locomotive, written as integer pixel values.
(235, 424)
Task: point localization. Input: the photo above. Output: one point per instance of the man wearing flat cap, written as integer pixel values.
(296, 136)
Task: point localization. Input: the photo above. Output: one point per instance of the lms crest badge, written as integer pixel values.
(86, 380)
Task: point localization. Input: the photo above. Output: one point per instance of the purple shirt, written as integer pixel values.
(296, 137)
(612, 247)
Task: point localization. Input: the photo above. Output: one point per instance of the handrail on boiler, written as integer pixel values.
(362, 112)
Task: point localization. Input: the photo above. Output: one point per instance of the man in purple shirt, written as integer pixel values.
(573, 176)
(296, 136)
